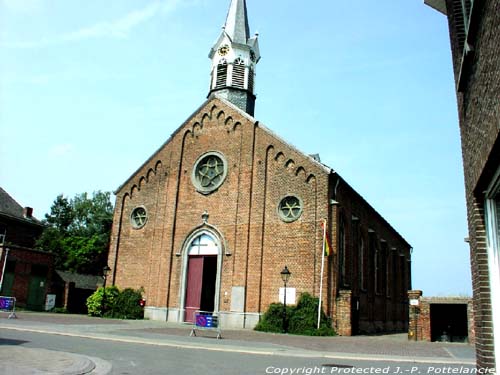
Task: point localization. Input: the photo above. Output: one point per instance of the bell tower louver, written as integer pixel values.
(234, 57)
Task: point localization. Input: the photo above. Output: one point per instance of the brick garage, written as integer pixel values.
(440, 318)
(223, 246)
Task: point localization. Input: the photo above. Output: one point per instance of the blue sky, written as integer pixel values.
(89, 90)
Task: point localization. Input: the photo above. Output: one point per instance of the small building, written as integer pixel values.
(72, 290)
(213, 216)
(449, 319)
(25, 273)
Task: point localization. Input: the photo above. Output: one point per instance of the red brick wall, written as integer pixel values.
(380, 310)
(479, 116)
(24, 260)
(262, 169)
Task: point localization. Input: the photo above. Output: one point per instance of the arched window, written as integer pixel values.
(204, 244)
(342, 251)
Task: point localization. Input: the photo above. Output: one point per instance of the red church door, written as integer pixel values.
(193, 287)
(201, 277)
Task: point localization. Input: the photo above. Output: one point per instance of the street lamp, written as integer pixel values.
(105, 273)
(285, 276)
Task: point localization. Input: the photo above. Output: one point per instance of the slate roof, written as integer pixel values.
(9, 207)
(81, 281)
(236, 25)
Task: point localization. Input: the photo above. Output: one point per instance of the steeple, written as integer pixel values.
(237, 22)
(234, 57)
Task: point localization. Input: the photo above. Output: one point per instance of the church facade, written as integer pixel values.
(208, 222)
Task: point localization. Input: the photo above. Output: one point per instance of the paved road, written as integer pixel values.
(132, 358)
(150, 347)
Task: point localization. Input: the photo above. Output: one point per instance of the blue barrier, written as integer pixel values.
(8, 304)
(206, 320)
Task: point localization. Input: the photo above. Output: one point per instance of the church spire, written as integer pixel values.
(234, 57)
(237, 22)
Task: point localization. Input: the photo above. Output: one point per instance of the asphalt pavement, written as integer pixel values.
(17, 359)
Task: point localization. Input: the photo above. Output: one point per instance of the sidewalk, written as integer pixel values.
(393, 347)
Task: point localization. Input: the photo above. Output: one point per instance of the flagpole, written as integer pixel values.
(322, 268)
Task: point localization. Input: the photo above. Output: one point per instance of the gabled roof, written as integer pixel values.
(9, 207)
(325, 168)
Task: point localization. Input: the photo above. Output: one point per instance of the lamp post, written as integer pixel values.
(105, 273)
(285, 276)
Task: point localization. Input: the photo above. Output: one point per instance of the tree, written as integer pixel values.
(77, 232)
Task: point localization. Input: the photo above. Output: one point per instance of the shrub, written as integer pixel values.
(272, 321)
(126, 305)
(94, 302)
(305, 318)
(302, 318)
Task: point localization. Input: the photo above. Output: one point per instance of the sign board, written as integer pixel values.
(414, 302)
(206, 321)
(290, 296)
(7, 303)
(50, 302)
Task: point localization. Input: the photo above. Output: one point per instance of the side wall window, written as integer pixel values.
(492, 220)
(342, 255)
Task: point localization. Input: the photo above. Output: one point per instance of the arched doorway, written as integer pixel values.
(201, 275)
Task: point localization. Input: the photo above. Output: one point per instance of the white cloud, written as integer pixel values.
(118, 28)
(61, 150)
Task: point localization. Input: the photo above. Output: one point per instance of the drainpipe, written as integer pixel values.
(4, 264)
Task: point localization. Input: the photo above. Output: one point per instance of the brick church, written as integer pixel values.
(212, 217)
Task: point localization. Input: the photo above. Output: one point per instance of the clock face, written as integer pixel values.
(223, 50)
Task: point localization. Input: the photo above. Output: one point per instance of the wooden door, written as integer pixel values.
(193, 287)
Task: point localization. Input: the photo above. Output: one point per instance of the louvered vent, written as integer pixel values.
(459, 16)
(239, 74)
(221, 74)
(250, 80)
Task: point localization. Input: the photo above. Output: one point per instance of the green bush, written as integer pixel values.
(117, 304)
(305, 318)
(272, 321)
(95, 305)
(126, 305)
(302, 318)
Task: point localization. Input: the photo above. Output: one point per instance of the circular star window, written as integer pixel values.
(290, 208)
(209, 172)
(139, 217)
